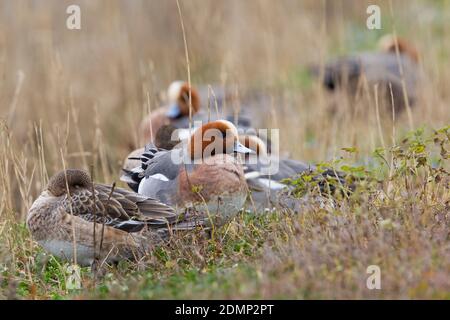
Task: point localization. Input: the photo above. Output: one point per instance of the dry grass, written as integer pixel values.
(76, 96)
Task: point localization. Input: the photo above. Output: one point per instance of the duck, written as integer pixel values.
(381, 68)
(176, 113)
(201, 177)
(115, 224)
(266, 175)
(166, 138)
(179, 95)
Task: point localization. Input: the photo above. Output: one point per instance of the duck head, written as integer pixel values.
(178, 94)
(255, 144)
(74, 177)
(165, 137)
(387, 43)
(216, 137)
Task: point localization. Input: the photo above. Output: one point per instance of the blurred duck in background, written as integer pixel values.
(360, 72)
(166, 138)
(179, 96)
(264, 172)
(265, 175)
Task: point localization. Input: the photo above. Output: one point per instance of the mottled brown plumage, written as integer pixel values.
(71, 204)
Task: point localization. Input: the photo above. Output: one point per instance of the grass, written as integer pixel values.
(399, 224)
(72, 96)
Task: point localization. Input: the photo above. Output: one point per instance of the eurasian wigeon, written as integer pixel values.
(166, 138)
(382, 68)
(114, 225)
(202, 177)
(176, 113)
(265, 173)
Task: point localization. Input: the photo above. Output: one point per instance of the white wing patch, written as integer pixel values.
(271, 184)
(137, 170)
(251, 175)
(159, 176)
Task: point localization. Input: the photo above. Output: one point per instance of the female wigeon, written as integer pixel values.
(383, 68)
(176, 113)
(201, 178)
(265, 174)
(116, 224)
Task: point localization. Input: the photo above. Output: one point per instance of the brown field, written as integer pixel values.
(74, 98)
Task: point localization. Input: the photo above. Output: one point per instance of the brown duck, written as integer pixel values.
(126, 224)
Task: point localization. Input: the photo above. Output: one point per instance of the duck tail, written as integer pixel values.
(132, 178)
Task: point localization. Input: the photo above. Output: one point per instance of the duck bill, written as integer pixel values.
(173, 112)
(240, 148)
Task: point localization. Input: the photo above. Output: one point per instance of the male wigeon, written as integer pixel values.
(201, 178)
(384, 68)
(164, 139)
(113, 225)
(167, 138)
(265, 174)
(176, 113)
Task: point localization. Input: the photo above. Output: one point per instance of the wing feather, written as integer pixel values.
(121, 209)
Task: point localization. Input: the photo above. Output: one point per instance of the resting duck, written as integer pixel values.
(176, 113)
(133, 223)
(162, 140)
(377, 67)
(265, 174)
(201, 177)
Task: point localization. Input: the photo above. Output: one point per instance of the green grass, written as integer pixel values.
(399, 223)
(85, 92)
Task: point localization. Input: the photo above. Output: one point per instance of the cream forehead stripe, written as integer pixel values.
(174, 90)
(386, 41)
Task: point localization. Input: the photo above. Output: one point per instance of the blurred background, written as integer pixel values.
(79, 95)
